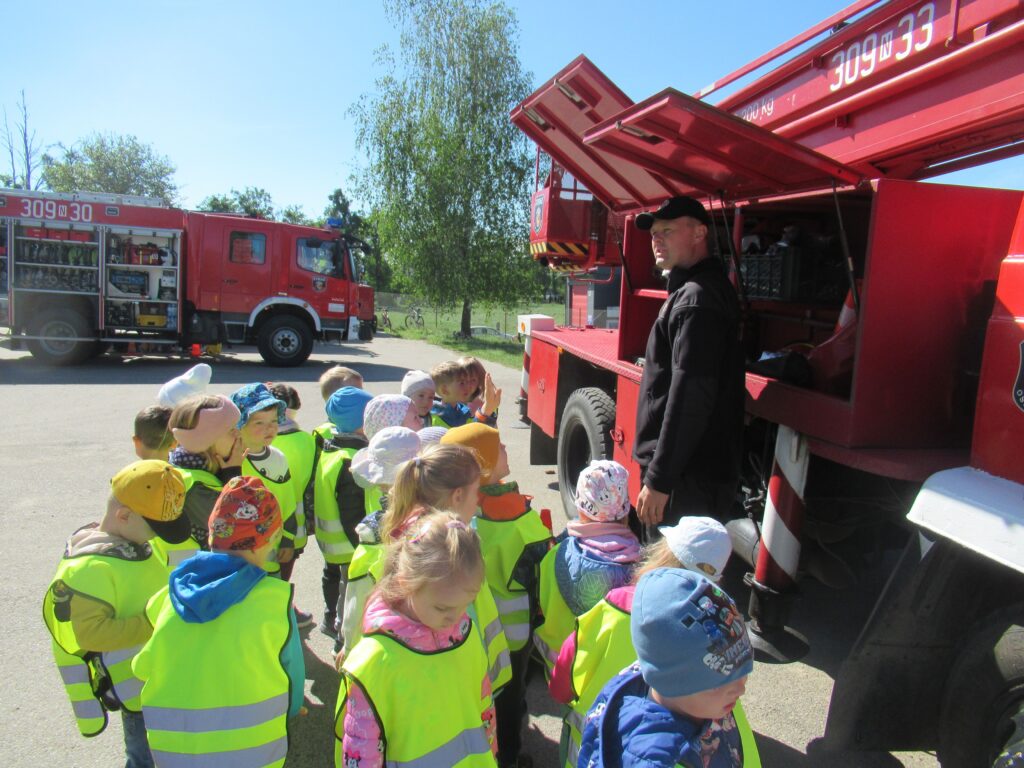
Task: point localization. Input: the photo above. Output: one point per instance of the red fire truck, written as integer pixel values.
(81, 273)
(884, 335)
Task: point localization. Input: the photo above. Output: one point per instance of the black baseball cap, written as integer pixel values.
(674, 208)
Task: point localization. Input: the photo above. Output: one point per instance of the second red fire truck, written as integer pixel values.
(82, 273)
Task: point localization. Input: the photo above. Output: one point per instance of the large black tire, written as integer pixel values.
(285, 341)
(584, 436)
(74, 344)
(985, 690)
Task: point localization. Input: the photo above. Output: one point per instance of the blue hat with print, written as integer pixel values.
(688, 634)
(346, 406)
(253, 398)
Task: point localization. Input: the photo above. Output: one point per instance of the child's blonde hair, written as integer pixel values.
(656, 555)
(186, 416)
(447, 373)
(473, 367)
(438, 548)
(428, 480)
(337, 377)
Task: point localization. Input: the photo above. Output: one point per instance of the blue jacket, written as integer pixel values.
(627, 729)
(206, 585)
(584, 578)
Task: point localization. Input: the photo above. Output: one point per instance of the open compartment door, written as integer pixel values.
(557, 115)
(688, 147)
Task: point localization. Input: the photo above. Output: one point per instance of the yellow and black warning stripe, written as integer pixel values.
(559, 248)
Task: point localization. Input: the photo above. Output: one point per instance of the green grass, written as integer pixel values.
(440, 328)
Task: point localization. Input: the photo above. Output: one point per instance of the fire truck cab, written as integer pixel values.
(85, 272)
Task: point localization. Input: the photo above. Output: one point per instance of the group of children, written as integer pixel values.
(442, 588)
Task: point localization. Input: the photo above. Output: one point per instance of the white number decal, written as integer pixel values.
(50, 209)
(862, 57)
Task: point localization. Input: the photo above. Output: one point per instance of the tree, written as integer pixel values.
(23, 151)
(251, 201)
(365, 229)
(447, 172)
(293, 214)
(107, 162)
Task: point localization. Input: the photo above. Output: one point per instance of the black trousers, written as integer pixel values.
(510, 709)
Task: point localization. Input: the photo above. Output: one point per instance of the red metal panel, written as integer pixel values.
(931, 250)
(89, 213)
(998, 443)
(543, 393)
(812, 413)
(910, 84)
(595, 345)
(700, 150)
(624, 435)
(556, 115)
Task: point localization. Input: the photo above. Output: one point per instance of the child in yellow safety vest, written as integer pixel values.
(600, 645)
(375, 469)
(223, 670)
(261, 416)
(596, 554)
(514, 541)
(677, 704)
(418, 386)
(209, 453)
(339, 503)
(95, 605)
(415, 689)
(334, 378)
(442, 477)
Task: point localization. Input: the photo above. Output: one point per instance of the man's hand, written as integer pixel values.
(492, 396)
(650, 505)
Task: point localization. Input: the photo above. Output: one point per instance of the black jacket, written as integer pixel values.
(689, 414)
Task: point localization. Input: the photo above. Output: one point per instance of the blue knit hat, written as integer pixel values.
(253, 398)
(345, 408)
(688, 634)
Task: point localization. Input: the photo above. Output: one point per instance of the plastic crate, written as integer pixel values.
(792, 274)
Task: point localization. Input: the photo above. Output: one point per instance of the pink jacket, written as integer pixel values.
(560, 685)
(362, 745)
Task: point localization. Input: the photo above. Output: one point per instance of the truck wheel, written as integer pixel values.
(985, 691)
(69, 341)
(285, 341)
(584, 436)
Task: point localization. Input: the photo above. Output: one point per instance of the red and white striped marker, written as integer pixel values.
(784, 513)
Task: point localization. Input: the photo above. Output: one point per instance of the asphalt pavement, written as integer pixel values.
(68, 430)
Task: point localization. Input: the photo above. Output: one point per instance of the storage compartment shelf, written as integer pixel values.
(90, 243)
(51, 266)
(48, 290)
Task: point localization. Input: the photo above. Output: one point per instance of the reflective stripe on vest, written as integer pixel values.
(502, 543)
(300, 450)
(558, 617)
(330, 534)
(201, 711)
(77, 679)
(125, 585)
(485, 617)
(405, 686)
(174, 554)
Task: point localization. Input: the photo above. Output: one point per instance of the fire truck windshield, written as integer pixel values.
(323, 257)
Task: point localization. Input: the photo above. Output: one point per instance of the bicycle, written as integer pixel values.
(414, 318)
(385, 320)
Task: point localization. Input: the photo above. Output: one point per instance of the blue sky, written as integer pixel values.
(257, 93)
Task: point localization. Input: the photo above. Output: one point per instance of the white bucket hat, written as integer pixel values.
(378, 463)
(700, 544)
